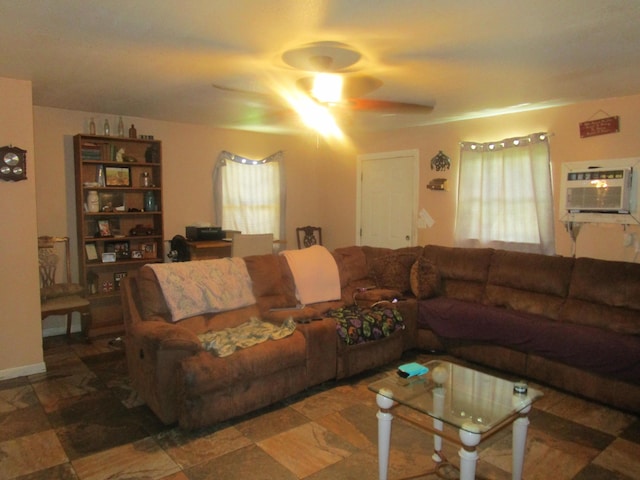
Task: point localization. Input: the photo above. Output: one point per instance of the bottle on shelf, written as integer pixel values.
(120, 127)
(145, 179)
(100, 176)
(132, 132)
(92, 127)
(107, 128)
(150, 202)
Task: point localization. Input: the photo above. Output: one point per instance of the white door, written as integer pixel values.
(387, 196)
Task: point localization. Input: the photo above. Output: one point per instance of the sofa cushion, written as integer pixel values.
(604, 294)
(594, 349)
(393, 270)
(528, 282)
(352, 264)
(424, 279)
(272, 281)
(204, 372)
(463, 271)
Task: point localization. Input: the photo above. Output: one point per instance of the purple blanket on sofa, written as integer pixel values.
(589, 348)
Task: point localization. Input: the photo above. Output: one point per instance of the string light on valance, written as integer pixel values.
(506, 143)
(232, 157)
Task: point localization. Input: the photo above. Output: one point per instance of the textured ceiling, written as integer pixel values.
(159, 59)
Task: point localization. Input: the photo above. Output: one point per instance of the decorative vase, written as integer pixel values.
(93, 202)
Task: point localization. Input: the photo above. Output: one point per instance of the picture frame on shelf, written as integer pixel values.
(117, 176)
(92, 252)
(117, 278)
(104, 228)
(120, 248)
(148, 250)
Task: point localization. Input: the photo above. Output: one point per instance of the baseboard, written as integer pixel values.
(23, 371)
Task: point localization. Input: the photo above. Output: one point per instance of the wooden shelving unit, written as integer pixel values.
(123, 225)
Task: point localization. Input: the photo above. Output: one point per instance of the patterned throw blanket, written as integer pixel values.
(224, 342)
(358, 325)
(205, 286)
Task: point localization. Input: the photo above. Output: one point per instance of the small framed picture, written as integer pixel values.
(148, 250)
(136, 254)
(117, 277)
(92, 253)
(121, 249)
(104, 229)
(117, 176)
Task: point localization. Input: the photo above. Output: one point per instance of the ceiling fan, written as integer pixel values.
(336, 62)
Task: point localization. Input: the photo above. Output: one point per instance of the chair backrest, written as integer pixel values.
(309, 236)
(49, 251)
(244, 244)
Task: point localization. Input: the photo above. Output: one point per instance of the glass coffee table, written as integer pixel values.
(475, 404)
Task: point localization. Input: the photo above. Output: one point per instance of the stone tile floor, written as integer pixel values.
(81, 420)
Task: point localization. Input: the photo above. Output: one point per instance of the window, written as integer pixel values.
(505, 195)
(249, 194)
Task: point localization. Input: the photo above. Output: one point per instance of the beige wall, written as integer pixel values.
(21, 337)
(599, 241)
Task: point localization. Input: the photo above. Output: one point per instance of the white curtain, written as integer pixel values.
(505, 197)
(249, 195)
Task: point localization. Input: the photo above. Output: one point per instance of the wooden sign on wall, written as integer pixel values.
(601, 126)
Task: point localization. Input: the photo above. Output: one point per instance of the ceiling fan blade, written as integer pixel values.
(353, 86)
(385, 106)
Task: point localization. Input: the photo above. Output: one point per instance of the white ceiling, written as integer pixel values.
(159, 59)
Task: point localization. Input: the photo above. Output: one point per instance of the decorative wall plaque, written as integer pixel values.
(440, 162)
(601, 126)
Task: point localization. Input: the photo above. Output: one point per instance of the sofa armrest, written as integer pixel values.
(155, 350)
(157, 334)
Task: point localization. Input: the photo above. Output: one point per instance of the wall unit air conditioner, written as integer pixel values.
(605, 190)
(600, 192)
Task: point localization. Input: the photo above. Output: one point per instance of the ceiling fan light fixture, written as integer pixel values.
(327, 88)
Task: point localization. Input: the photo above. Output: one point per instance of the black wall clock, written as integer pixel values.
(13, 163)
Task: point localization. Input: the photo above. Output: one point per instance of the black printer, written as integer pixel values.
(195, 234)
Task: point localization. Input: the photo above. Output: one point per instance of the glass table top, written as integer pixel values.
(459, 396)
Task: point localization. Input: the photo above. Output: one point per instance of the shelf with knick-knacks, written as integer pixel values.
(119, 214)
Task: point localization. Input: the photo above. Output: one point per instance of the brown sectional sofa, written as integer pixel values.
(569, 323)
(182, 382)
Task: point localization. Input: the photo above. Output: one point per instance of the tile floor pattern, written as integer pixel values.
(81, 420)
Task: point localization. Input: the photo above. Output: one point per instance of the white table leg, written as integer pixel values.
(519, 436)
(438, 407)
(468, 454)
(520, 427)
(384, 433)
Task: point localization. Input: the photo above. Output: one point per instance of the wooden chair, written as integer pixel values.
(308, 236)
(244, 244)
(60, 297)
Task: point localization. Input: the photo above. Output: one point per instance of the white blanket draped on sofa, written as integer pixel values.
(204, 286)
(315, 274)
